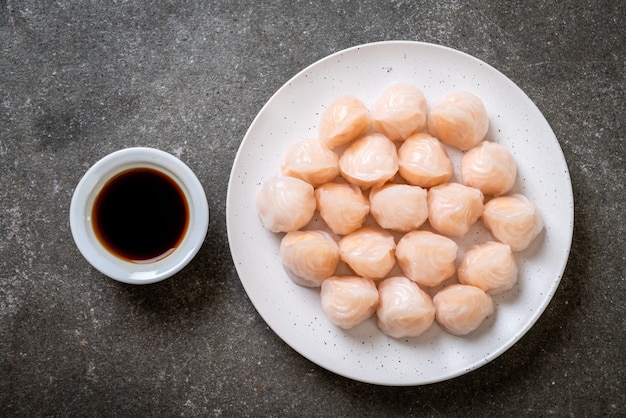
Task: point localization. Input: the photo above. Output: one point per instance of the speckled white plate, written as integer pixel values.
(294, 312)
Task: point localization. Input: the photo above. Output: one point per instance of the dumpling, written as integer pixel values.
(370, 160)
(423, 161)
(404, 310)
(369, 252)
(285, 204)
(513, 220)
(345, 119)
(400, 207)
(490, 266)
(462, 308)
(348, 300)
(490, 168)
(311, 161)
(400, 111)
(460, 120)
(342, 206)
(311, 256)
(426, 258)
(453, 208)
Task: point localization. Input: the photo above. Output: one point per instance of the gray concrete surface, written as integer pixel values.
(79, 80)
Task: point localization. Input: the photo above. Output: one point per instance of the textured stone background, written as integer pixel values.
(79, 80)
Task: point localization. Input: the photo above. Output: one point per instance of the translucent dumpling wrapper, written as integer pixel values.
(462, 308)
(369, 251)
(285, 204)
(453, 208)
(490, 266)
(344, 120)
(459, 120)
(342, 206)
(423, 161)
(426, 258)
(348, 300)
(311, 256)
(370, 160)
(400, 207)
(513, 220)
(489, 167)
(404, 309)
(400, 111)
(312, 161)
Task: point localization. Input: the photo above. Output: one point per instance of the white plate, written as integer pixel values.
(294, 312)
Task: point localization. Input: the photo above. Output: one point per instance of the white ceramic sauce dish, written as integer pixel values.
(95, 250)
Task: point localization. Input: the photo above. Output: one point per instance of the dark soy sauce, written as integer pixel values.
(140, 215)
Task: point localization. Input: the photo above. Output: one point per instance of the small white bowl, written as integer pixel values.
(92, 183)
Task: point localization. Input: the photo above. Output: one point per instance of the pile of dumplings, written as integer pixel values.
(380, 180)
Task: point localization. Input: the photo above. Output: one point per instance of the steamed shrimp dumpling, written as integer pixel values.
(453, 208)
(459, 120)
(423, 161)
(348, 300)
(312, 161)
(462, 308)
(400, 207)
(369, 252)
(285, 204)
(426, 258)
(370, 160)
(490, 266)
(490, 168)
(400, 111)
(345, 119)
(311, 256)
(513, 220)
(342, 206)
(404, 310)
